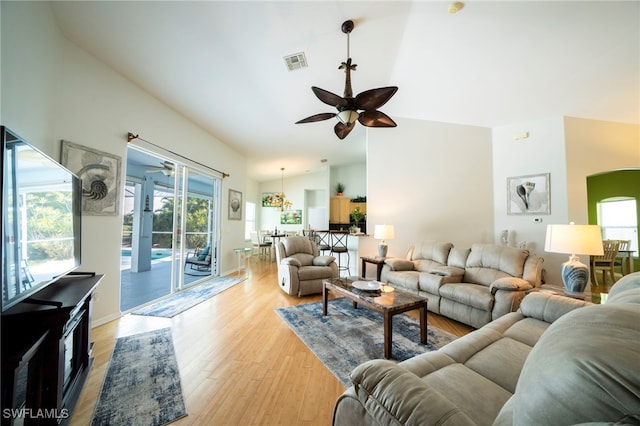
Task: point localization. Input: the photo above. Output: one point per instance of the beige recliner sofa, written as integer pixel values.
(473, 286)
(557, 361)
(301, 269)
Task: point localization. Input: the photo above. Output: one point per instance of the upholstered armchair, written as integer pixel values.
(300, 268)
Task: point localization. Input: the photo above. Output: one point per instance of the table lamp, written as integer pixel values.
(572, 239)
(383, 232)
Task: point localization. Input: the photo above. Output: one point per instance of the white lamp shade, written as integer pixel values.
(348, 116)
(384, 232)
(574, 239)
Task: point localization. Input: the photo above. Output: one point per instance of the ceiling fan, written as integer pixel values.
(167, 168)
(368, 101)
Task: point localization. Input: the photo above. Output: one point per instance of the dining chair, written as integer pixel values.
(619, 261)
(605, 263)
(262, 248)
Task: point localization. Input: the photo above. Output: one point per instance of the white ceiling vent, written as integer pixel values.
(295, 61)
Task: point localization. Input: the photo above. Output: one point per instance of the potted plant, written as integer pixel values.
(339, 189)
(357, 215)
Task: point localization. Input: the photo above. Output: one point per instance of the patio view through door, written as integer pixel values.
(170, 232)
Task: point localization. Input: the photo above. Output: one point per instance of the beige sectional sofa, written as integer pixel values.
(473, 286)
(557, 361)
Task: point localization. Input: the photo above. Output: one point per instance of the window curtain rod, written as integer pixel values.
(131, 136)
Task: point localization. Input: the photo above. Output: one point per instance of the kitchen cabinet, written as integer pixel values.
(339, 210)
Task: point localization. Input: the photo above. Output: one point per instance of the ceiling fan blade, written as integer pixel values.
(329, 98)
(342, 130)
(317, 117)
(374, 98)
(376, 119)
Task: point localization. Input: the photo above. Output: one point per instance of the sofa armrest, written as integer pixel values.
(511, 284)
(447, 271)
(323, 260)
(397, 264)
(291, 261)
(393, 395)
(549, 307)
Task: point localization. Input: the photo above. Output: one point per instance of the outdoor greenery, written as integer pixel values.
(49, 225)
(197, 222)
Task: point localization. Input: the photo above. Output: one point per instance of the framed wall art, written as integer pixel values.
(528, 195)
(271, 199)
(100, 174)
(235, 205)
(291, 217)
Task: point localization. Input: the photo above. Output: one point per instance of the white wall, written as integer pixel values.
(52, 90)
(569, 149)
(594, 147)
(433, 181)
(353, 177)
(542, 152)
(296, 188)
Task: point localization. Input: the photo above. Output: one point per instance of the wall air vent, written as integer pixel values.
(296, 61)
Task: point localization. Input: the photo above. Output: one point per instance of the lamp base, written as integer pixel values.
(575, 275)
(382, 250)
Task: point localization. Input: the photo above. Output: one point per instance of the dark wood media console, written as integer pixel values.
(46, 352)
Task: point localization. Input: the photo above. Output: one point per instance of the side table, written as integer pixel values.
(376, 260)
(241, 254)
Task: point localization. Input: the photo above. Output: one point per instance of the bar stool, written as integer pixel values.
(323, 241)
(339, 247)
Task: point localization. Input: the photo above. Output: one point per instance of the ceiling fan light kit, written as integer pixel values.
(348, 106)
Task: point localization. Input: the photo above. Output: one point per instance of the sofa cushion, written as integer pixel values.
(304, 258)
(479, 398)
(393, 396)
(576, 376)
(503, 260)
(431, 250)
(404, 279)
(477, 296)
(425, 265)
(533, 270)
(458, 257)
(306, 273)
(297, 245)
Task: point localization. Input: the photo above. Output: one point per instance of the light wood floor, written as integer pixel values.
(239, 363)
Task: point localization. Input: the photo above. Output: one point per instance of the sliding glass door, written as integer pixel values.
(170, 228)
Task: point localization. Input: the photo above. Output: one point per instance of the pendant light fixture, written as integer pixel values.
(281, 199)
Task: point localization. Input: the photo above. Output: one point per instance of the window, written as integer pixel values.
(618, 219)
(250, 220)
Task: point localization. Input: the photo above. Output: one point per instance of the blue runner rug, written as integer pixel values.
(347, 337)
(185, 299)
(142, 384)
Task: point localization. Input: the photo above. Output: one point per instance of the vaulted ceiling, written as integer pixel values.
(220, 64)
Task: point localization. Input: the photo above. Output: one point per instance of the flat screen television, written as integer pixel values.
(41, 220)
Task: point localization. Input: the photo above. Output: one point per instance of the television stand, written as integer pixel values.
(34, 301)
(46, 352)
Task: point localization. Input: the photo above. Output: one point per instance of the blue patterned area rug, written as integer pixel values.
(186, 299)
(142, 384)
(347, 337)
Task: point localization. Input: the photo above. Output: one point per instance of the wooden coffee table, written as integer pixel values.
(389, 302)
